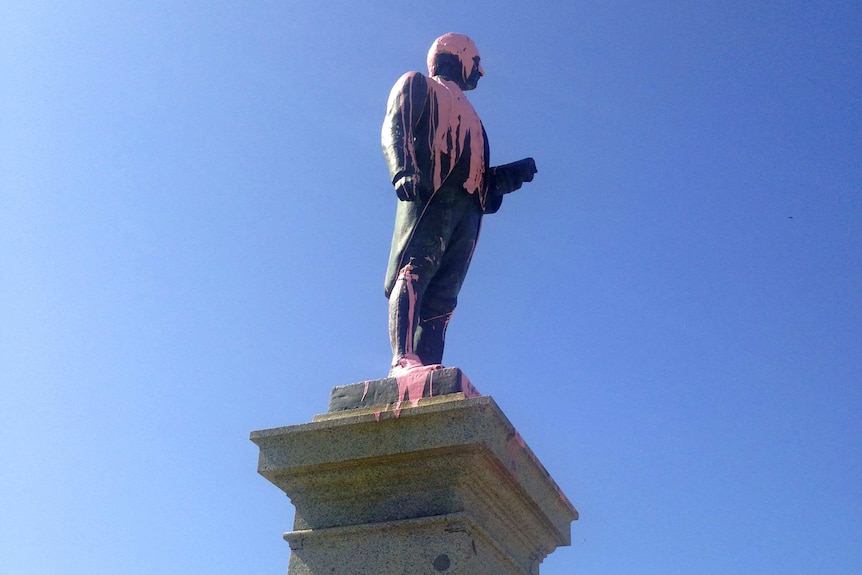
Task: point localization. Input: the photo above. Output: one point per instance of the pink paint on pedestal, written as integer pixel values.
(411, 383)
(411, 377)
(410, 387)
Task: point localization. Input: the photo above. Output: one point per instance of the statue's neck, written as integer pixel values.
(449, 68)
(447, 78)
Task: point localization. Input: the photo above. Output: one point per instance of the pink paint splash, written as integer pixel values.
(364, 393)
(407, 363)
(411, 380)
(451, 43)
(407, 114)
(410, 387)
(406, 279)
(457, 120)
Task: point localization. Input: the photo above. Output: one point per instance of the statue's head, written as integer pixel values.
(455, 57)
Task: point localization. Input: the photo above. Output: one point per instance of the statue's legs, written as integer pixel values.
(403, 317)
(431, 338)
(431, 251)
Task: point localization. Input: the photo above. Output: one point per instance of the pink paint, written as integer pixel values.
(457, 44)
(407, 363)
(404, 283)
(456, 120)
(364, 393)
(408, 277)
(411, 376)
(405, 102)
(456, 117)
(410, 387)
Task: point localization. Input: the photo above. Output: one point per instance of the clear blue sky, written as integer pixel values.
(194, 223)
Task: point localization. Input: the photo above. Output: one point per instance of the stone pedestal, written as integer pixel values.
(439, 485)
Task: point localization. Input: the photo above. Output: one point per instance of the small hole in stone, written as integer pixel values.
(442, 563)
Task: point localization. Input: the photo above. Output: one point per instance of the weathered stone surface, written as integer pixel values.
(396, 390)
(452, 543)
(448, 486)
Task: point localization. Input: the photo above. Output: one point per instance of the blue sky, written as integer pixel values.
(194, 224)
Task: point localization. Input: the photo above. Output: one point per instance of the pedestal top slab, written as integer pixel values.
(403, 390)
(447, 425)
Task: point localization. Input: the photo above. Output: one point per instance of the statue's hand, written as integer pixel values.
(407, 188)
(511, 177)
(507, 181)
(528, 169)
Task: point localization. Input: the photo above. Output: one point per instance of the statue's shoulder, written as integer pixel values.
(412, 87)
(412, 79)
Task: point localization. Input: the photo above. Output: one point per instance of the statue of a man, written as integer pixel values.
(437, 152)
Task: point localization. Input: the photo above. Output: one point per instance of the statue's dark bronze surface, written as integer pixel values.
(438, 156)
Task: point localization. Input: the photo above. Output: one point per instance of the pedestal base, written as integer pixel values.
(452, 543)
(447, 486)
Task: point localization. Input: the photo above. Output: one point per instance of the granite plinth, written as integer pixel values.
(396, 390)
(452, 543)
(448, 486)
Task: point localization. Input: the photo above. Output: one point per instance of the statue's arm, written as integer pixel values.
(510, 177)
(404, 112)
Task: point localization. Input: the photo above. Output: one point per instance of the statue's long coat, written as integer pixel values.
(431, 129)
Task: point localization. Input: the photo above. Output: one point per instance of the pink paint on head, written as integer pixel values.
(451, 43)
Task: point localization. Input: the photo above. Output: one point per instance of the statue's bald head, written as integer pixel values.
(455, 57)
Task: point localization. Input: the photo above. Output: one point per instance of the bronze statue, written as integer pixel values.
(437, 152)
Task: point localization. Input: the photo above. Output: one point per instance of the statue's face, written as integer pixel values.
(471, 77)
(462, 48)
(471, 67)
